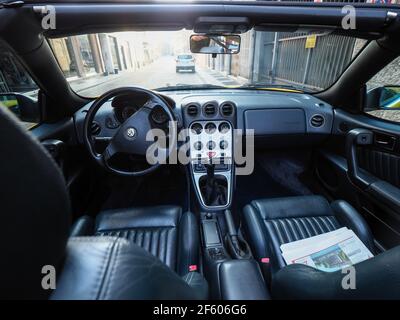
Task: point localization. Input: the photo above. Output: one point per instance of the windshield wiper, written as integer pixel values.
(267, 86)
(190, 87)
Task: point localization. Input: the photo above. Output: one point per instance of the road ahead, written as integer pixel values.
(160, 73)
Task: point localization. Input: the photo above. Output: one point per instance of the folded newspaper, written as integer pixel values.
(328, 252)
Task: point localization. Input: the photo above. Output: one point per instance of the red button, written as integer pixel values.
(265, 260)
(192, 268)
(211, 154)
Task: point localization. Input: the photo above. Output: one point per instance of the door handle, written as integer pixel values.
(354, 138)
(385, 141)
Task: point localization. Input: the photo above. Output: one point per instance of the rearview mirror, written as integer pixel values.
(387, 98)
(215, 44)
(25, 108)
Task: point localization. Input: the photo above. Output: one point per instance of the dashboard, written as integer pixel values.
(215, 120)
(276, 118)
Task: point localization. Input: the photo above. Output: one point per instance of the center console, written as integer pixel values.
(227, 259)
(211, 161)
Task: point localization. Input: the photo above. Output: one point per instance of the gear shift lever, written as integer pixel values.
(210, 167)
(210, 189)
(214, 190)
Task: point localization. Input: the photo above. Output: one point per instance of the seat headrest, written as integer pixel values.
(34, 211)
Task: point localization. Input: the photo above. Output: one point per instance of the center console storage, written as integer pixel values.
(212, 242)
(230, 276)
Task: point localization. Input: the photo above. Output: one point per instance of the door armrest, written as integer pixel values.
(386, 194)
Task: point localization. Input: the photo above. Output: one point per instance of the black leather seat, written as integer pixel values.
(269, 223)
(112, 268)
(164, 231)
(35, 212)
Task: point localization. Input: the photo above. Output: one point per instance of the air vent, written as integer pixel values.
(227, 109)
(209, 109)
(95, 128)
(317, 121)
(192, 110)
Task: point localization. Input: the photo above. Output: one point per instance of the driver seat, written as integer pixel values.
(164, 231)
(40, 259)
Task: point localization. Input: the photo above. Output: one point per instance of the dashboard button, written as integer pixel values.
(197, 145)
(210, 128)
(210, 145)
(224, 127)
(197, 128)
(223, 144)
(211, 154)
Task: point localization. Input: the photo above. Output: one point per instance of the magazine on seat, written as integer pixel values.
(328, 252)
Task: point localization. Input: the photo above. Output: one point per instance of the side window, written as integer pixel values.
(383, 93)
(18, 92)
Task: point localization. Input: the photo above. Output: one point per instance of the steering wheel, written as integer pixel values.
(135, 135)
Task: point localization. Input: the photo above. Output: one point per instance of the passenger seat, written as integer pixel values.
(269, 223)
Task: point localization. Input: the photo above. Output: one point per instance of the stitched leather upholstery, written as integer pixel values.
(164, 231)
(376, 278)
(269, 223)
(108, 268)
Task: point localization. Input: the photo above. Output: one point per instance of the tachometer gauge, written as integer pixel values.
(127, 112)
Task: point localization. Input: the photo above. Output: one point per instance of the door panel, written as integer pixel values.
(383, 165)
(378, 161)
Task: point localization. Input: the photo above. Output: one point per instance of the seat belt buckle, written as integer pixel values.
(192, 268)
(266, 269)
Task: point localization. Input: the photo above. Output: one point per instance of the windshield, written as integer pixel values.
(96, 63)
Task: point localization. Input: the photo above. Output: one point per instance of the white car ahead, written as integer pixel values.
(185, 62)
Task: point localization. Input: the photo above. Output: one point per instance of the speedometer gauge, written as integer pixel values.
(159, 116)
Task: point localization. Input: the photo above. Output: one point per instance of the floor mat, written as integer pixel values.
(166, 186)
(287, 169)
(276, 174)
(258, 185)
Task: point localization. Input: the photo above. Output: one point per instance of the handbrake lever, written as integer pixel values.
(238, 247)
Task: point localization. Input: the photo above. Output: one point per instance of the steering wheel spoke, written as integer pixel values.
(109, 152)
(151, 104)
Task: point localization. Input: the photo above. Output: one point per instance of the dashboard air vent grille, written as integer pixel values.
(95, 128)
(317, 121)
(209, 109)
(192, 110)
(227, 109)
